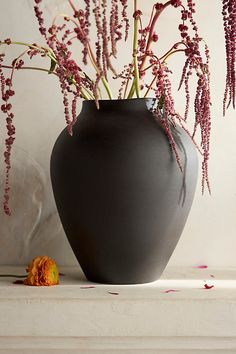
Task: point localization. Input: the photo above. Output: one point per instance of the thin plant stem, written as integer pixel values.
(50, 53)
(175, 46)
(31, 68)
(163, 58)
(84, 92)
(72, 5)
(127, 82)
(58, 16)
(135, 55)
(135, 49)
(152, 29)
(150, 86)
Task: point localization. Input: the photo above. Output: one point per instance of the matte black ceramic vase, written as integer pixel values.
(121, 197)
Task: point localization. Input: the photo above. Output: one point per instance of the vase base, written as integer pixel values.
(124, 281)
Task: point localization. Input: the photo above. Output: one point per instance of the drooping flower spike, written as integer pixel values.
(229, 19)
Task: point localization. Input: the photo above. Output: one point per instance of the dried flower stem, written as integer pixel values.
(165, 57)
(150, 86)
(152, 27)
(229, 21)
(30, 68)
(45, 50)
(127, 80)
(135, 50)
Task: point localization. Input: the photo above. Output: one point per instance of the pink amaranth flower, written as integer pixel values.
(6, 108)
(125, 17)
(229, 19)
(206, 286)
(171, 291)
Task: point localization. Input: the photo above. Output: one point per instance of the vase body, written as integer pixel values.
(120, 194)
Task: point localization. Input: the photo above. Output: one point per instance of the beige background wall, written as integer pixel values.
(210, 234)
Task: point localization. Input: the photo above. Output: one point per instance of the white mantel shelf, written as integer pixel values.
(71, 318)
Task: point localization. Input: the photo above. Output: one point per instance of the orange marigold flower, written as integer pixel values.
(42, 271)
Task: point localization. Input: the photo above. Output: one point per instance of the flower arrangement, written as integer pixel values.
(112, 25)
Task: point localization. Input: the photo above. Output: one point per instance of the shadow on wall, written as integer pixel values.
(32, 229)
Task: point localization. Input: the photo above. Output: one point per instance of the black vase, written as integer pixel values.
(120, 194)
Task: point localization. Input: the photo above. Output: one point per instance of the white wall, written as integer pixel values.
(210, 234)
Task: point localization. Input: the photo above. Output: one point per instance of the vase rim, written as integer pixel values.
(136, 104)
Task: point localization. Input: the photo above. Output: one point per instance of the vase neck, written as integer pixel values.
(126, 105)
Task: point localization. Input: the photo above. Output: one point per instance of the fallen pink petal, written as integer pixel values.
(206, 286)
(171, 291)
(202, 266)
(88, 287)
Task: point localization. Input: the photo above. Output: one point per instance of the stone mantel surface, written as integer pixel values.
(175, 314)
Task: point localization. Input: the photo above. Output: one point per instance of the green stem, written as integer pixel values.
(86, 95)
(106, 85)
(30, 68)
(132, 90)
(149, 41)
(50, 53)
(127, 81)
(150, 86)
(136, 69)
(135, 85)
(84, 92)
(171, 53)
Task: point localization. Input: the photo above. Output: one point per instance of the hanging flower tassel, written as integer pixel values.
(6, 108)
(229, 19)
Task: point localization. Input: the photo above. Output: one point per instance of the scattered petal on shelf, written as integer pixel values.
(113, 293)
(206, 286)
(171, 291)
(212, 276)
(87, 287)
(202, 266)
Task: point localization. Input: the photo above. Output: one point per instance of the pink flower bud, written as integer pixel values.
(137, 14)
(155, 37)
